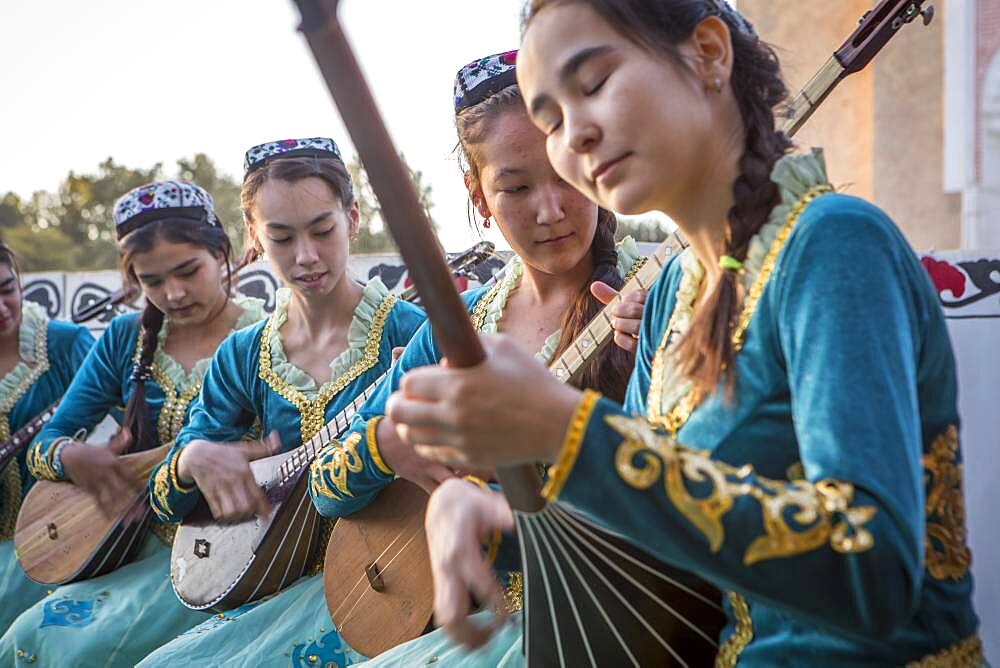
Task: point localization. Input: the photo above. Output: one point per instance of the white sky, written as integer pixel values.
(145, 81)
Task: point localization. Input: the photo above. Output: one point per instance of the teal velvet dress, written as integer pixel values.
(115, 619)
(824, 497)
(339, 490)
(252, 381)
(50, 354)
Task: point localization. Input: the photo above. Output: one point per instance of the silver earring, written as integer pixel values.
(717, 83)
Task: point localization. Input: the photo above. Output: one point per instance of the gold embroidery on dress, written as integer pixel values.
(513, 595)
(945, 551)
(312, 414)
(966, 654)
(681, 411)
(334, 462)
(821, 512)
(38, 464)
(730, 650)
(483, 305)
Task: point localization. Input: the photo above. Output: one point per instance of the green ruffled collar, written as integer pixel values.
(253, 311)
(372, 295)
(628, 253)
(32, 348)
(795, 175)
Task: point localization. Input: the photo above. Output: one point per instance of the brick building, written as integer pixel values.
(918, 132)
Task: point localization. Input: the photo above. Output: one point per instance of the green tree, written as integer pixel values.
(372, 234)
(225, 191)
(72, 229)
(641, 229)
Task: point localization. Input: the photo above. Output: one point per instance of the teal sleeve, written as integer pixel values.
(350, 472)
(95, 390)
(223, 411)
(842, 548)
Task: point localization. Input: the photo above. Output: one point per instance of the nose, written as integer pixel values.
(582, 134)
(176, 290)
(305, 253)
(550, 205)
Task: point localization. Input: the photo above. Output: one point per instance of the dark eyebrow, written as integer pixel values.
(316, 220)
(180, 267)
(509, 171)
(569, 70)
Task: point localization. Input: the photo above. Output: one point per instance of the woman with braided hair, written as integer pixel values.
(564, 245)
(790, 430)
(38, 358)
(172, 246)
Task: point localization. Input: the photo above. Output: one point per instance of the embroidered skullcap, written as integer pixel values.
(179, 200)
(484, 77)
(316, 147)
(733, 17)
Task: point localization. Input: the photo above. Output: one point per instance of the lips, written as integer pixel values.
(553, 240)
(310, 279)
(182, 310)
(603, 168)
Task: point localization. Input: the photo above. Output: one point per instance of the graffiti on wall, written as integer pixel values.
(64, 295)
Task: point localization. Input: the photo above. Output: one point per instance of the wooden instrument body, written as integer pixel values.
(377, 575)
(63, 536)
(220, 566)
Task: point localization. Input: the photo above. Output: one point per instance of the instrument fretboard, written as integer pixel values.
(22, 437)
(598, 333)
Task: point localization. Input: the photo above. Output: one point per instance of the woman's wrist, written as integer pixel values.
(183, 464)
(560, 411)
(572, 439)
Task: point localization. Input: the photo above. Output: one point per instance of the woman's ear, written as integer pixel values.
(712, 52)
(476, 195)
(354, 219)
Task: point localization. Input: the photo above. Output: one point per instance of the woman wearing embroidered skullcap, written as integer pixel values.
(38, 359)
(329, 338)
(790, 431)
(172, 246)
(563, 244)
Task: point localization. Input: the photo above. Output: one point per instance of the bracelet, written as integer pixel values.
(559, 471)
(57, 448)
(372, 443)
(494, 544)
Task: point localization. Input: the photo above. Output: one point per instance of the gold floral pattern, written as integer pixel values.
(312, 414)
(334, 462)
(731, 649)
(966, 654)
(165, 480)
(822, 512)
(945, 551)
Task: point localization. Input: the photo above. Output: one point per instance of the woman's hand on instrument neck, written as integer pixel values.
(507, 410)
(99, 471)
(404, 460)
(461, 518)
(627, 313)
(222, 473)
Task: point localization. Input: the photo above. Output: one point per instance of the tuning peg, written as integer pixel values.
(928, 14)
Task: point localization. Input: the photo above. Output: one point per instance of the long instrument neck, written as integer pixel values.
(597, 334)
(22, 437)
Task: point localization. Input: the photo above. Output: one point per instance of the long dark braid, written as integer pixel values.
(609, 371)
(143, 240)
(706, 352)
(137, 419)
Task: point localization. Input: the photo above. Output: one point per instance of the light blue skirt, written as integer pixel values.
(291, 628)
(110, 621)
(436, 649)
(17, 591)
